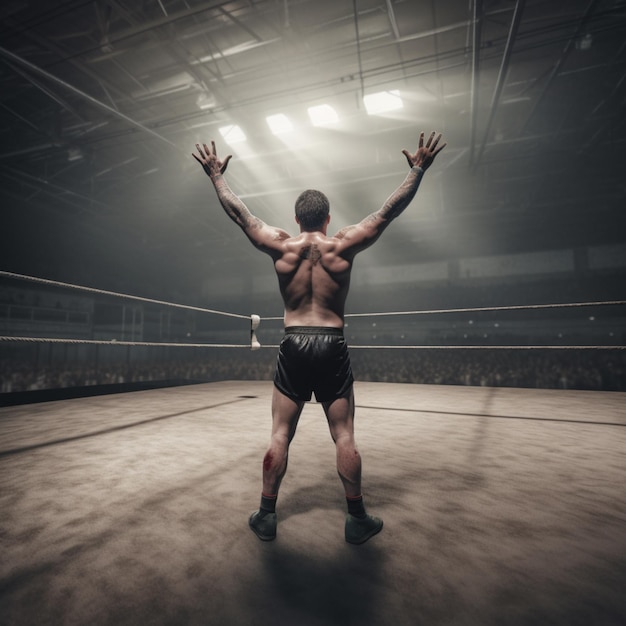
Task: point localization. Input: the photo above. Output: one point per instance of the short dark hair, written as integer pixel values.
(312, 208)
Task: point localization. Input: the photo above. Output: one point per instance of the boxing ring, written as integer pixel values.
(501, 505)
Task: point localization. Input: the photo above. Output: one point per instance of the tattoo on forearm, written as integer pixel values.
(249, 221)
(401, 197)
(234, 207)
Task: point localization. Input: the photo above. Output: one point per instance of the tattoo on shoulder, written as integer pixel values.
(310, 252)
(341, 234)
(281, 235)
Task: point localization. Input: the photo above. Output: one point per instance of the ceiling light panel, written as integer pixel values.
(279, 123)
(382, 102)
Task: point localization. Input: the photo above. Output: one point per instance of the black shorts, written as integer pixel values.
(313, 359)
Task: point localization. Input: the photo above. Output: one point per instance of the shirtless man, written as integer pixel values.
(313, 272)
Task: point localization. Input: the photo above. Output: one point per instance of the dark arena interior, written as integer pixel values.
(139, 328)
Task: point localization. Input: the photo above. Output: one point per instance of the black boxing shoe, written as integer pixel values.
(359, 530)
(263, 525)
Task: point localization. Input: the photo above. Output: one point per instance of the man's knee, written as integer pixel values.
(280, 440)
(344, 439)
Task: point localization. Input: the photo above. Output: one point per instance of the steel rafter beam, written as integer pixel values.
(476, 36)
(504, 68)
(62, 194)
(53, 96)
(172, 46)
(7, 54)
(559, 64)
(392, 19)
(157, 23)
(240, 24)
(22, 119)
(65, 55)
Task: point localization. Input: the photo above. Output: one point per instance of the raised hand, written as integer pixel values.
(425, 154)
(209, 161)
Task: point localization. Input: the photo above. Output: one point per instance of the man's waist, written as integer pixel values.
(314, 330)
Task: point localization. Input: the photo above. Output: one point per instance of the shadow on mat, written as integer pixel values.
(335, 583)
(340, 589)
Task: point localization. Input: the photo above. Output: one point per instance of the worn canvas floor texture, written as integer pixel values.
(501, 507)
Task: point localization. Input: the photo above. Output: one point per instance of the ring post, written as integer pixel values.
(255, 320)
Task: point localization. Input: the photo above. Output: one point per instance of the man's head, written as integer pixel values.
(312, 210)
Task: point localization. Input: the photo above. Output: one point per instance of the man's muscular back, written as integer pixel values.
(313, 278)
(313, 269)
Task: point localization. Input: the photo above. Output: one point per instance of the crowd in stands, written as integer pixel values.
(548, 369)
(23, 376)
(540, 369)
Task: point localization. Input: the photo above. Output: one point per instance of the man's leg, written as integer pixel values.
(340, 415)
(285, 415)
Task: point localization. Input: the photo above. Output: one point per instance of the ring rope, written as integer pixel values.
(472, 347)
(55, 283)
(255, 322)
(516, 307)
(115, 342)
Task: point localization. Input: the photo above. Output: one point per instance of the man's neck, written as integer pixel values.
(321, 231)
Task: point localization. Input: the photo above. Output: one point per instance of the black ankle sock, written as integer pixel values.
(356, 507)
(268, 503)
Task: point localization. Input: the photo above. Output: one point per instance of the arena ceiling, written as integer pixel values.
(102, 102)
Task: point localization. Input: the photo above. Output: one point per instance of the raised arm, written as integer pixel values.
(266, 238)
(362, 235)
